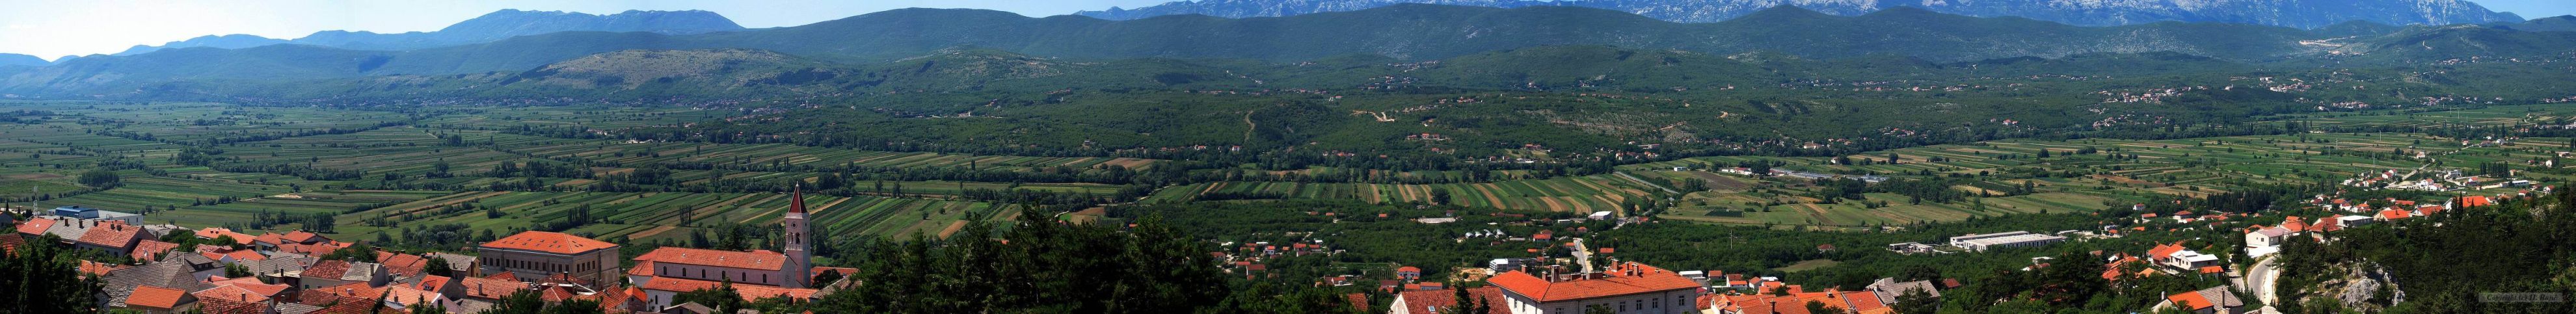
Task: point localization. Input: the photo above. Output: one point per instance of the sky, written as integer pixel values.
(54, 28)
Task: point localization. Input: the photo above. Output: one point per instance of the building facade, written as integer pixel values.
(535, 255)
(1627, 288)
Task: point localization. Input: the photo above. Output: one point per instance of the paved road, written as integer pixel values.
(2261, 278)
(1583, 255)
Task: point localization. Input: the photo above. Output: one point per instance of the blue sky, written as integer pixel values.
(54, 28)
(2531, 9)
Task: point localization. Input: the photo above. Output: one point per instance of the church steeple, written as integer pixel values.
(799, 260)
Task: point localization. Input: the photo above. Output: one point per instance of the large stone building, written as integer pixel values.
(669, 271)
(535, 255)
(1626, 288)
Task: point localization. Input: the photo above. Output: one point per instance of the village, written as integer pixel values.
(1569, 284)
(294, 272)
(225, 271)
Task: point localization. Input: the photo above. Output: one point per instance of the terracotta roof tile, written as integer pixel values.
(1863, 301)
(147, 249)
(1645, 279)
(1438, 301)
(97, 268)
(220, 306)
(488, 288)
(255, 287)
(433, 282)
(757, 260)
(406, 265)
(327, 269)
(155, 297)
(112, 233)
(35, 225)
(674, 284)
(326, 295)
(2475, 201)
(299, 236)
(211, 233)
(548, 242)
(231, 293)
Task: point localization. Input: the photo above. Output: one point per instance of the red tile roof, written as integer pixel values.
(758, 259)
(2394, 214)
(1630, 278)
(219, 306)
(211, 233)
(674, 284)
(325, 247)
(408, 295)
(433, 282)
(35, 225)
(231, 293)
(112, 233)
(488, 288)
(270, 239)
(2163, 251)
(757, 292)
(97, 268)
(154, 297)
(253, 285)
(331, 269)
(147, 249)
(2189, 301)
(2475, 201)
(1863, 301)
(235, 255)
(299, 236)
(1439, 301)
(549, 242)
(406, 265)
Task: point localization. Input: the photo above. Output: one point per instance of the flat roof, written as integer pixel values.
(2014, 239)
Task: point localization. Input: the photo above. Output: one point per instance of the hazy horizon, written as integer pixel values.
(53, 29)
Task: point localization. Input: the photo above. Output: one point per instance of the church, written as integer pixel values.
(669, 271)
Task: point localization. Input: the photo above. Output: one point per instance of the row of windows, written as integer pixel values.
(1624, 306)
(585, 266)
(702, 275)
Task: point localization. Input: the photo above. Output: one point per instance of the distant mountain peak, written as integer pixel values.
(234, 41)
(497, 25)
(9, 59)
(2291, 13)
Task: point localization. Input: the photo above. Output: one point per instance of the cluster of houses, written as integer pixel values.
(2446, 180)
(285, 273)
(1522, 286)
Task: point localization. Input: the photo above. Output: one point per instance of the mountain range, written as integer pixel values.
(2288, 13)
(9, 59)
(489, 27)
(1399, 32)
